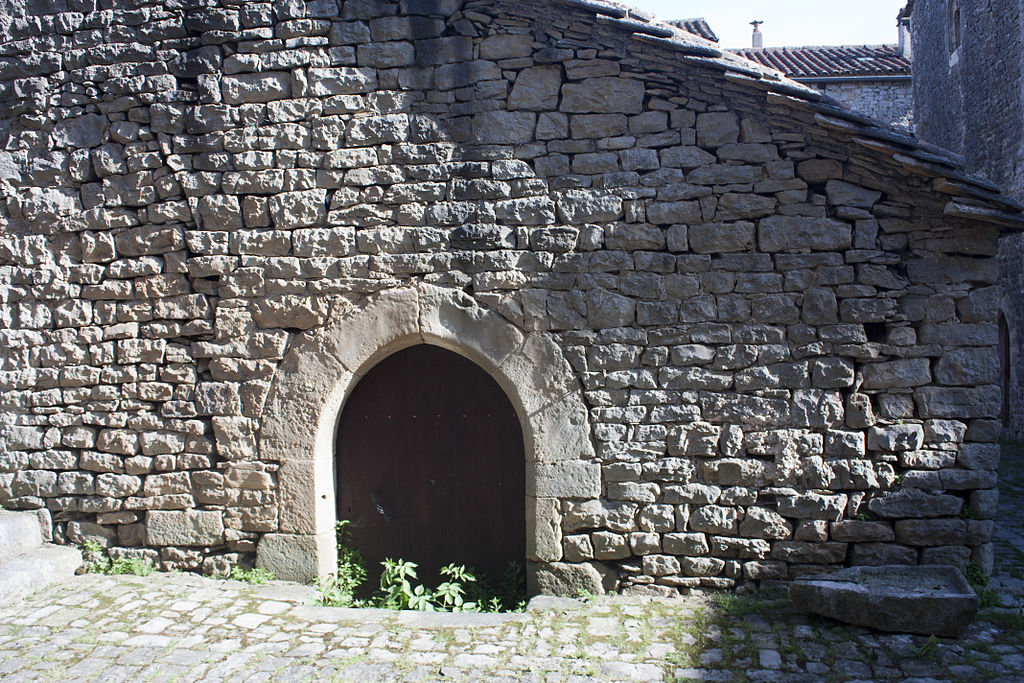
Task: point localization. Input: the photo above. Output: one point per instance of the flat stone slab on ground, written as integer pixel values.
(928, 599)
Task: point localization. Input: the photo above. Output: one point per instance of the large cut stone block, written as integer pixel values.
(184, 527)
(603, 96)
(569, 580)
(545, 519)
(928, 599)
(779, 233)
(298, 557)
(566, 479)
(257, 87)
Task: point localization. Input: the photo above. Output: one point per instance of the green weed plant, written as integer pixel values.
(461, 590)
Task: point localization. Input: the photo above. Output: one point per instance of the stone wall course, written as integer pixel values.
(772, 321)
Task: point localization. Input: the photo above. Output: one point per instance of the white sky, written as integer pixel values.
(788, 22)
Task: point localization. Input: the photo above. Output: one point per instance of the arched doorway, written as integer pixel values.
(322, 368)
(430, 465)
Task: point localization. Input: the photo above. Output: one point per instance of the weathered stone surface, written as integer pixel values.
(848, 194)
(577, 207)
(260, 87)
(813, 506)
(603, 95)
(691, 300)
(897, 374)
(915, 503)
(715, 519)
(763, 523)
(715, 129)
(298, 209)
(899, 437)
(713, 238)
(294, 557)
(593, 514)
(932, 600)
(536, 89)
(184, 527)
(568, 580)
(340, 81)
(504, 127)
(931, 532)
(779, 233)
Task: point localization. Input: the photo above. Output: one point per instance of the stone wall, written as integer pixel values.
(891, 102)
(972, 102)
(777, 319)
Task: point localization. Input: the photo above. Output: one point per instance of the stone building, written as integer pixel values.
(969, 98)
(873, 80)
(744, 333)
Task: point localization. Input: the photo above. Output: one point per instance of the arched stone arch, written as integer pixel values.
(320, 370)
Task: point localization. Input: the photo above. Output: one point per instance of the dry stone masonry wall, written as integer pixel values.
(778, 316)
(971, 101)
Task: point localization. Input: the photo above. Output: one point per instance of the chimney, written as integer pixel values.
(757, 40)
(905, 47)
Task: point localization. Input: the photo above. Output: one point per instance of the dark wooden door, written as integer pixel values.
(430, 465)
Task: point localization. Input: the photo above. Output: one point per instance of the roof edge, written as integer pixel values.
(908, 152)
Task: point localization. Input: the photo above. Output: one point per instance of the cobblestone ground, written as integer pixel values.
(189, 628)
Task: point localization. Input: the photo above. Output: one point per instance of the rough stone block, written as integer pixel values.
(184, 528)
(567, 580)
(257, 87)
(926, 599)
(295, 557)
(566, 479)
(779, 233)
(603, 95)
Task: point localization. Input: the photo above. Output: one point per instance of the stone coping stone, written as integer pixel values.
(926, 599)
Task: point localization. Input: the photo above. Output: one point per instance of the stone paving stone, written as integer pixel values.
(187, 628)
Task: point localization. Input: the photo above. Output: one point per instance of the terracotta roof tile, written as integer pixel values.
(832, 61)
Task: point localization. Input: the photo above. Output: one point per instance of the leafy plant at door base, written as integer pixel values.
(461, 591)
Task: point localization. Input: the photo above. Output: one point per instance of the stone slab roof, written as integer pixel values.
(698, 27)
(970, 197)
(839, 61)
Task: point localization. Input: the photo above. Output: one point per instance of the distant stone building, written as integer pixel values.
(873, 80)
(969, 98)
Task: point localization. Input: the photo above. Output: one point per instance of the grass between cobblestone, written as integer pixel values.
(167, 628)
(724, 637)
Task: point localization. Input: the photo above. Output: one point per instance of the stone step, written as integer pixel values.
(19, 533)
(36, 569)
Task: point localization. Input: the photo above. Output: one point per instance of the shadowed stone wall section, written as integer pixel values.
(972, 102)
(774, 321)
